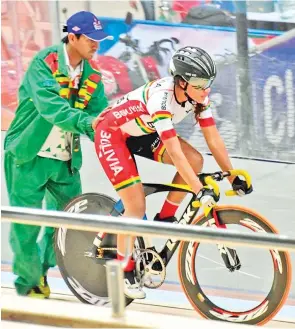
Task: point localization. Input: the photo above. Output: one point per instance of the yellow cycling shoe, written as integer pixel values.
(36, 292)
(44, 287)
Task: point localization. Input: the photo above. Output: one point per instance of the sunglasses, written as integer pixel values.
(200, 84)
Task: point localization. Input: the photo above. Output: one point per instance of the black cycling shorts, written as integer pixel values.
(147, 146)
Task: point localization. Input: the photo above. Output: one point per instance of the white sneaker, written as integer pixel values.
(132, 287)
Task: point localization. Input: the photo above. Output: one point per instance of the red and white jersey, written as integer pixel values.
(152, 108)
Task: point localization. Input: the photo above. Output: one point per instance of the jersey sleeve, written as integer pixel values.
(158, 108)
(206, 118)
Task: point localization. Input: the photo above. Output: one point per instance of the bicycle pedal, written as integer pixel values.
(149, 276)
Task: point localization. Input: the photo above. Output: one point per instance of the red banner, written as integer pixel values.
(26, 29)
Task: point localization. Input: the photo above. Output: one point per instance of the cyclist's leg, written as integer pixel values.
(151, 147)
(175, 198)
(121, 170)
(134, 204)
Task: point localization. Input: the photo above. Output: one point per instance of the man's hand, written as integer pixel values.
(100, 117)
(96, 121)
(240, 186)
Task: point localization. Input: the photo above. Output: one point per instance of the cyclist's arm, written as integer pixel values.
(162, 120)
(181, 163)
(217, 147)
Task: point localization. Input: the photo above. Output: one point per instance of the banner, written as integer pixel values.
(144, 53)
(273, 76)
(26, 29)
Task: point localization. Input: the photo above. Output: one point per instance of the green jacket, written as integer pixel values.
(46, 99)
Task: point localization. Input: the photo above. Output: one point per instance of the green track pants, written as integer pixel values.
(28, 185)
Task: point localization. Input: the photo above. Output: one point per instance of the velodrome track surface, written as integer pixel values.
(144, 309)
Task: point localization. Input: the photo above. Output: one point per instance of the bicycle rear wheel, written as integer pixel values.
(82, 274)
(230, 297)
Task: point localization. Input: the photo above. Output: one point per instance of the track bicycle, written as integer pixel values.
(234, 300)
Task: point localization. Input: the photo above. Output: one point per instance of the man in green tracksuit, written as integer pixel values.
(59, 99)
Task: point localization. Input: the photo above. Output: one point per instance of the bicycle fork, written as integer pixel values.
(229, 255)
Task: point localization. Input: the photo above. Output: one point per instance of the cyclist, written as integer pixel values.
(141, 123)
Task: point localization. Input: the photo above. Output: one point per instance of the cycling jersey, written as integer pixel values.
(149, 109)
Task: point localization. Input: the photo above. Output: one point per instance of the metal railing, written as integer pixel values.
(95, 223)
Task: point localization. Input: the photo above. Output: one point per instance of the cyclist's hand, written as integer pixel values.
(240, 186)
(207, 197)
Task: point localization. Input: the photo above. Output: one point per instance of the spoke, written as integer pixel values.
(213, 268)
(211, 260)
(248, 274)
(239, 271)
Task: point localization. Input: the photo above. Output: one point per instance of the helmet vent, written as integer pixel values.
(192, 61)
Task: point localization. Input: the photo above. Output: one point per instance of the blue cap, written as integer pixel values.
(86, 23)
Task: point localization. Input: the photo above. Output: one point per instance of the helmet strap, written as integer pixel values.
(189, 99)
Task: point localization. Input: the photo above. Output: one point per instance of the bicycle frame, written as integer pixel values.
(192, 209)
(75, 259)
(186, 218)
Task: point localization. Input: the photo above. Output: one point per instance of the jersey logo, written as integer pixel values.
(151, 125)
(122, 99)
(164, 101)
(107, 152)
(155, 144)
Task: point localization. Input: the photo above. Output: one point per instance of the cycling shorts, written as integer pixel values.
(116, 152)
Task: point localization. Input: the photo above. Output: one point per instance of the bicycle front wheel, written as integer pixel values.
(252, 294)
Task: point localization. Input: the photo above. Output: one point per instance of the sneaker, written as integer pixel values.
(36, 292)
(44, 286)
(171, 219)
(132, 287)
